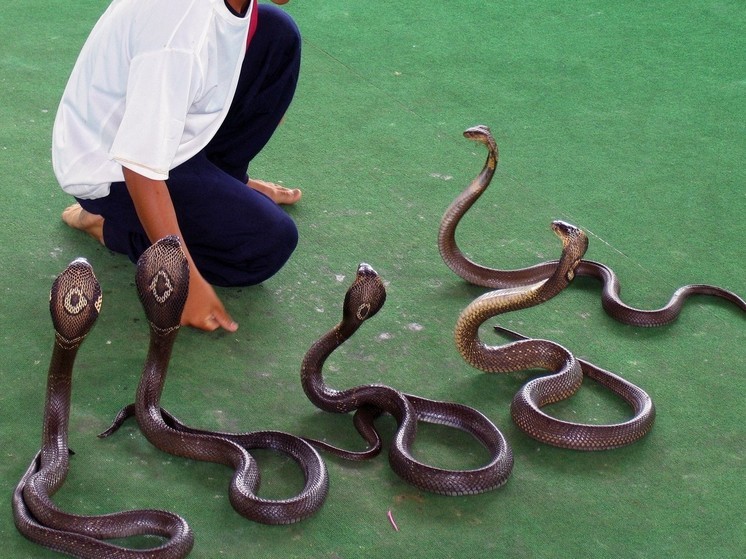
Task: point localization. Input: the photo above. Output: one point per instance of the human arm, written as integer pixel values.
(155, 209)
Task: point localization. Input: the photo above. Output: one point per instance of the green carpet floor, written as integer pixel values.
(625, 118)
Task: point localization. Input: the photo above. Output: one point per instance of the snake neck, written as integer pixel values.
(68, 344)
(312, 376)
(459, 263)
(54, 454)
(319, 392)
(153, 378)
(469, 344)
(449, 250)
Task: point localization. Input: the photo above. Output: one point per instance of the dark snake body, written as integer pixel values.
(567, 371)
(499, 279)
(589, 437)
(521, 288)
(75, 301)
(162, 283)
(364, 299)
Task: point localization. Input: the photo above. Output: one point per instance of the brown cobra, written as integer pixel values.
(364, 299)
(162, 283)
(499, 279)
(567, 371)
(75, 301)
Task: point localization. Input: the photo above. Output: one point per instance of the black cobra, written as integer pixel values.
(364, 299)
(75, 301)
(162, 282)
(498, 279)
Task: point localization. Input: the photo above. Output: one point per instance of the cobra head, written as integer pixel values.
(162, 280)
(479, 133)
(366, 295)
(574, 245)
(482, 134)
(571, 236)
(74, 302)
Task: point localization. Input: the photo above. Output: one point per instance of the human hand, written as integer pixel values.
(203, 309)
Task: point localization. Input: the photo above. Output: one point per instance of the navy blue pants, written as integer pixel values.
(236, 235)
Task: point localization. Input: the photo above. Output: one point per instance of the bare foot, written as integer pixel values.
(77, 218)
(278, 194)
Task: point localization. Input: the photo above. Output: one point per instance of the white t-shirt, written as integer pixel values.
(150, 88)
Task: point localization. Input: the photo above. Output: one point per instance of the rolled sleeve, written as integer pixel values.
(160, 89)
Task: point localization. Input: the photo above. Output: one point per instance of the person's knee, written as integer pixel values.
(286, 236)
(280, 242)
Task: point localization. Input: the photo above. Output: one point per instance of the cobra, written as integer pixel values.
(494, 278)
(75, 301)
(162, 280)
(364, 298)
(567, 371)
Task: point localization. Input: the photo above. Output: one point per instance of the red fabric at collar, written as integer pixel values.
(253, 22)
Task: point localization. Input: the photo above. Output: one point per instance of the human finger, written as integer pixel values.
(223, 320)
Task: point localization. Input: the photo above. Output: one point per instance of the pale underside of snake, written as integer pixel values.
(162, 280)
(364, 299)
(528, 286)
(567, 371)
(498, 279)
(75, 300)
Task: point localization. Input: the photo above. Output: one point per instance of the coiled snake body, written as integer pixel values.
(567, 371)
(162, 283)
(525, 287)
(498, 279)
(364, 299)
(75, 300)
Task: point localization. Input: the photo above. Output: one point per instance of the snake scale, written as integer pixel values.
(363, 300)
(162, 281)
(75, 301)
(567, 371)
(499, 279)
(525, 287)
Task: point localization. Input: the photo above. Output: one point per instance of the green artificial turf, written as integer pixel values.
(624, 118)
